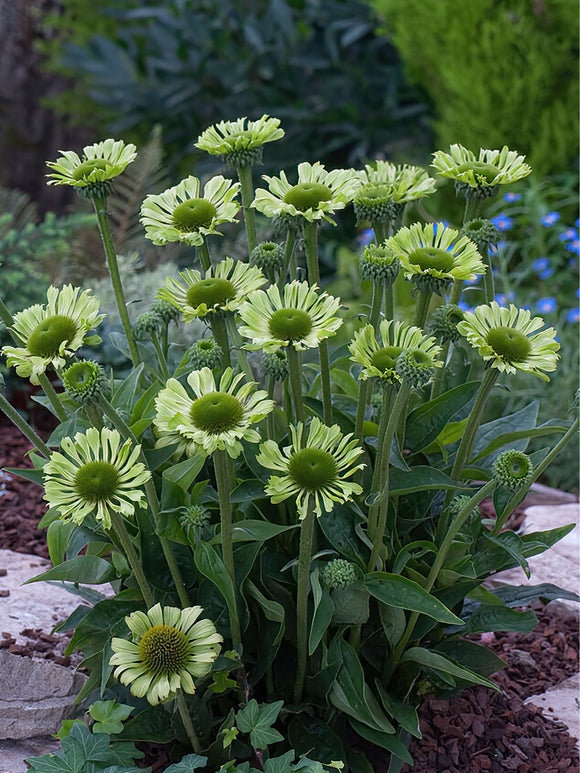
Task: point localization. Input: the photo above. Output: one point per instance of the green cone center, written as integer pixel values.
(48, 335)
(488, 171)
(96, 481)
(432, 258)
(385, 359)
(313, 469)
(290, 324)
(81, 376)
(510, 344)
(216, 412)
(374, 193)
(193, 214)
(164, 650)
(307, 195)
(212, 292)
(83, 170)
(419, 358)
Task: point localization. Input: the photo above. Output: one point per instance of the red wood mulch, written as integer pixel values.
(478, 731)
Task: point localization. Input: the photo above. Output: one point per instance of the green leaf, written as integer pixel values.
(511, 439)
(28, 474)
(274, 612)
(188, 764)
(471, 655)
(522, 595)
(493, 618)
(307, 733)
(405, 714)
(426, 422)
(397, 591)
(386, 741)
(525, 419)
(393, 620)
(260, 531)
(124, 394)
(149, 725)
(437, 662)
(57, 538)
(351, 605)
(211, 566)
(420, 479)
(513, 546)
(91, 570)
(248, 491)
(340, 529)
(323, 611)
(281, 764)
(81, 746)
(109, 716)
(184, 473)
(258, 720)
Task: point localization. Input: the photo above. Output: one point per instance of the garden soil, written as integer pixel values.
(478, 731)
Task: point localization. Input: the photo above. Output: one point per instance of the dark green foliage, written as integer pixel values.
(319, 66)
(497, 73)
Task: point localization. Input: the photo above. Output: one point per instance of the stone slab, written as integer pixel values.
(561, 703)
(13, 753)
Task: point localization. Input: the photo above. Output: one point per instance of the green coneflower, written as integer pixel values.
(433, 256)
(99, 475)
(482, 174)
(275, 365)
(482, 232)
(165, 311)
(513, 469)
(84, 381)
(223, 287)
(171, 648)
(268, 256)
(301, 317)
(444, 323)
(240, 144)
(378, 264)
(205, 354)
(315, 469)
(386, 188)
(508, 339)
(92, 173)
(51, 333)
(147, 324)
(218, 417)
(378, 359)
(316, 196)
(187, 214)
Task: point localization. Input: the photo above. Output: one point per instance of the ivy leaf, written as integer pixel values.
(109, 716)
(188, 764)
(257, 721)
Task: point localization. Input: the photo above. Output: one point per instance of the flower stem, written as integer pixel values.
(311, 248)
(203, 254)
(380, 232)
(120, 529)
(295, 385)
(8, 320)
(363, 393)
(382, 502)
(462, 516)
(325, 381)
(187, 723)
(304, 560)
(376, 304)
(53, 397)
(422, 307)
(220, 333)
(160, 356)
(488, 276)
(100, 205)
(126, 433)
(464, 450)
(288, 262)
(26, 430)
(471, 207)
(245, 177)
(222, 474)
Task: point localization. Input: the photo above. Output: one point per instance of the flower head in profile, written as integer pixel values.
(484, 173)
(222, 288)
(52, 333)
(433, 255)
(186, 213)
(170, 648)
(314, 470)
(509, 339)
(378, 359)
(378, 264)
(97, 474)
(316, 196)
(100, 163)
(238, 143)
(218, 417)
(386, 188)
(301, 317)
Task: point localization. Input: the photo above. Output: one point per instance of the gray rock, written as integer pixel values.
(13, 753)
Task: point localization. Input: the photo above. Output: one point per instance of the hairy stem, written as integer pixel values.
(304, 560)
(26, 430)
(295, 385)
(222, 474)
(247, 186)
(120, 530)
(187, 723)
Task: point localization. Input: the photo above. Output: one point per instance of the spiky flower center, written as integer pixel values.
(48, 335)
(419, 358)
(96, 481)
(313, 469)
(508, 343)
(307, 195)
(164, 650)
(432, 258)
(386, 358)
(216, 412)
(488, 171)
(83, 170)
(374, 192)
(290, 324)
(212, 292)
(193, 214)
(81, 376)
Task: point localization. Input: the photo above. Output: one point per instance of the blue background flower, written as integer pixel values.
(512, 197)
(550, 218)
(502, 222)
(546, 305)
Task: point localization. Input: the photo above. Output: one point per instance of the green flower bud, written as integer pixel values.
(513, 469)
(482, 232)
(192, 518)
(244, 157)
(475, 193)
(84, 381)
(444, 323)
(146, 325)
(428, 283)
(166, 312)
(275, 365)
(95, 190)
(374, 202)
(269, 256)
(205, 354)
(339, 574)
(415, 367)
(378, 264)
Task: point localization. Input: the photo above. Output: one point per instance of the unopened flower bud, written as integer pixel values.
(275, 365)
(339, 574)
(513, 469)
(205, 354)
(269, 256)
(379, 265)
(84, 381)
(415, 367)
(444, 322)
